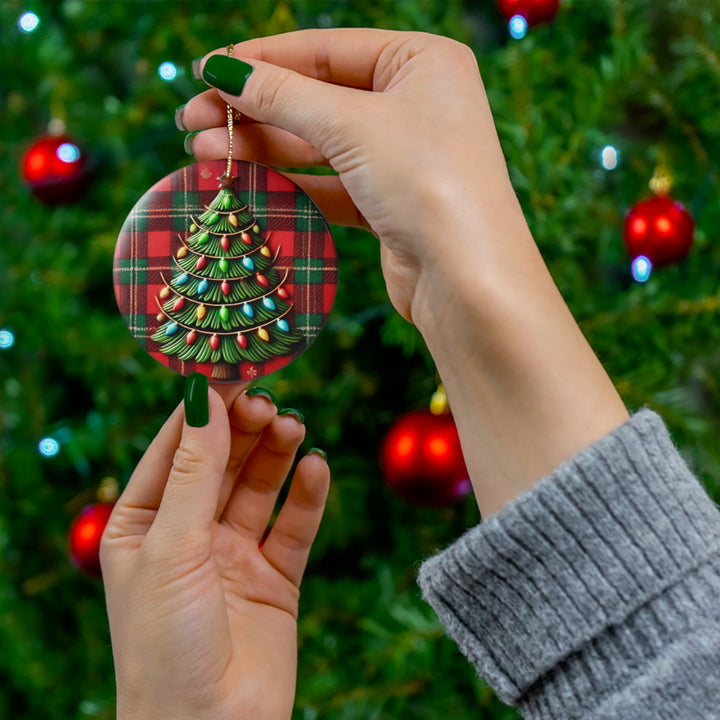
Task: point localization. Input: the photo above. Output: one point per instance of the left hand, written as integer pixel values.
(202, 613)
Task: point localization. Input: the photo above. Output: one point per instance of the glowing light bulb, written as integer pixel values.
(518, 27)
(49, 447)
(609, 157)
(7, 339)
(404, 446)
(438, 447)
(638, 226)
(28, 22)
(167, 71)
(89, 531)
(68, 153)
(641, 268)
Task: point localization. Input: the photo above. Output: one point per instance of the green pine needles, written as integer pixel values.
(226, 301)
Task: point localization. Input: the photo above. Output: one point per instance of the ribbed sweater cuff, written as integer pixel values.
(555, 596)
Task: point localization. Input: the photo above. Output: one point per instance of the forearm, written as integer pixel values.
(524, 386)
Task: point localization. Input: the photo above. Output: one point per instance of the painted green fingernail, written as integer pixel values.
(179, 124)
(187, 144)
(226, 73)
(197, 411)
(253, 391)
(318, 451)
(196, 67)
(295, 413)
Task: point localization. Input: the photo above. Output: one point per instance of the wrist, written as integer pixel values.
(526, 389)
(474, 258)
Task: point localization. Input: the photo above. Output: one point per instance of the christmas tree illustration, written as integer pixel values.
(226, 301)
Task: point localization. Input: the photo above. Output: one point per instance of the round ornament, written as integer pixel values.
(660, 229)
(227, 269)
(85, 535)
(422, 461)
(55, 169)
(535, 12)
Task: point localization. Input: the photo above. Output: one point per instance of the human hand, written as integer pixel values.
(203, 619)
(404, 120)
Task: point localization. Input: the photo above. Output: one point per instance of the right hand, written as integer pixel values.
(404, 120)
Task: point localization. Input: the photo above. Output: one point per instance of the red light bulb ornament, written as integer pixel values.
(658, 230)
(421, 458)
(87, 529)
(55, 169)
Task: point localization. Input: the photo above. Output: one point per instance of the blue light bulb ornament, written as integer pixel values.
(282, 325)
(247, 310)
(248, 263)
(171, 329)
(7, 339)
(28, 22)
(49, 447)
(202, 286)
(641, 268)
(182, 279)
(168, 71)
(268, 303)
(518, 26)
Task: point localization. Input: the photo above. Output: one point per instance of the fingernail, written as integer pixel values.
(318, 451)
(187, 143)
(226, 73)
(179, 118)
(197, 411)
(295, 413)
(196, 67)
(253, 391)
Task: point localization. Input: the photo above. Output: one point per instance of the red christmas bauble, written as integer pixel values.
(85, 534)
(534, 11)
(659, 228)
(422, 460)
(55, 169)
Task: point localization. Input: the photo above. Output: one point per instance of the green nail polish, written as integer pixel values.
(253, 391)
(179, 118)
(197, 411)
(226, 73)
(195, 65)
(295, 413)
(318, 451)
(187, 143)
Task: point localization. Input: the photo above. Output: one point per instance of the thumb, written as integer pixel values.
(306, 107)
(191, 494)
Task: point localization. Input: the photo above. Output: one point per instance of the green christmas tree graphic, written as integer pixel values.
(226, 301)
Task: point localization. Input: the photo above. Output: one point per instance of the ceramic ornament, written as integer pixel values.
(228, 269)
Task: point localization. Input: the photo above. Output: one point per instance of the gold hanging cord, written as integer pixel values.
(227, 178)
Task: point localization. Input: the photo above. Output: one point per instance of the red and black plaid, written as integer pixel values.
(149, 240)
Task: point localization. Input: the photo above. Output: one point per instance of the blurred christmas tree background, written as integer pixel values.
(639, 76)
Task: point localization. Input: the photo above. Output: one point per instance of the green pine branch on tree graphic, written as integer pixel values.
(226, 302)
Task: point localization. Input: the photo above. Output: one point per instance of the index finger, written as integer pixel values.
(342, 56)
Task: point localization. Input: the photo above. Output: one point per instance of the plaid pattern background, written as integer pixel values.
(149, 239)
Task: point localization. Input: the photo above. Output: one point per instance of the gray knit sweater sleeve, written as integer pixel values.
(596, 594)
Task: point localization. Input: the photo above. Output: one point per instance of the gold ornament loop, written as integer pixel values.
(109, 490)
(662, 181)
